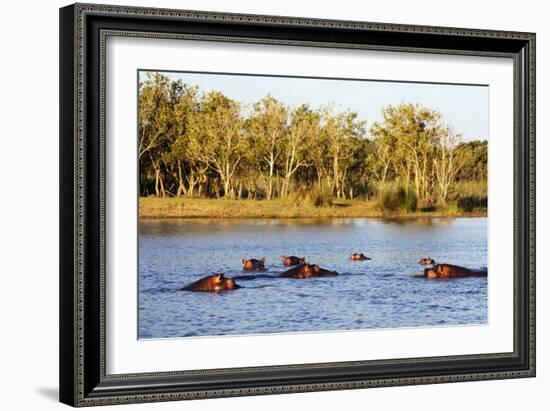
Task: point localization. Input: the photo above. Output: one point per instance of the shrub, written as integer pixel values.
(311, 196)
(393, 197)
(318, 198)
(470, 195)
(471, 203)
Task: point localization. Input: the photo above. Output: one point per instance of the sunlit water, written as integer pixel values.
(384, 292)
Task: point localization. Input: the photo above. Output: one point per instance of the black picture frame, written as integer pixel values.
(83, 29)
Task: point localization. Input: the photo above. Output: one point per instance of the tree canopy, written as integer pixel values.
(193, 143)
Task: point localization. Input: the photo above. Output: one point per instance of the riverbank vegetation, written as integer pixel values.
(184, 207)
(204, 154)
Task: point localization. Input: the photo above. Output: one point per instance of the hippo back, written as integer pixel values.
(212, 282)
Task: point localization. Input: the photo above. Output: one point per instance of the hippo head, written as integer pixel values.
(430, 272)
(216, 281)
(312, 269)
(229, 284)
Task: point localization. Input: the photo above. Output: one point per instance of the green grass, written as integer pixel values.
(152, 207)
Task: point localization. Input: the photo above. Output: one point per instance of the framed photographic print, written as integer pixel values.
(262, 204)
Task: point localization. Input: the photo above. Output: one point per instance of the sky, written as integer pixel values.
(464, 107)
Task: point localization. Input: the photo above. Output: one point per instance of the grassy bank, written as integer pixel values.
(151, 207)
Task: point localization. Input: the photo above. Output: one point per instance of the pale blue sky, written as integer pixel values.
(464, 107)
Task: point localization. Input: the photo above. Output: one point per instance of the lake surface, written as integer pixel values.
(381, 293)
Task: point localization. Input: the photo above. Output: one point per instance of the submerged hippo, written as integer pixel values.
(253, 264)
(212, 283)
(308, 270)
(359, 257)
(292, 260)
(426, 261)
(322, 272)
(451, 271)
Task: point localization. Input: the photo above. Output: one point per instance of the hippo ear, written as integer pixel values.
(243, 261)
(303, 258)
(263, 260)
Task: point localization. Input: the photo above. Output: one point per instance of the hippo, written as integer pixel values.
(306, 270)
(452, 271)
(359, 257)
(253, 264)
(426, 261)
(292, 260)
(212, 283)
(322, 272)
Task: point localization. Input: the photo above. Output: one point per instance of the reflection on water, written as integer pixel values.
(384, 292)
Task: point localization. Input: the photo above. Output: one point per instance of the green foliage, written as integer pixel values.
(394, 197)
(197, 144)
(472, 203)
(474, 167)
(471, 195)
(318, 197)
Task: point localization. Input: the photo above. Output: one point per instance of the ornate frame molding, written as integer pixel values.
(82, 369)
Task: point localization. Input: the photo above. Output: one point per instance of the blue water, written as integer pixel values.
(381, 293)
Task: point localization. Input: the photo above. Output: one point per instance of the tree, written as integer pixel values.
(406, 137)
(267, 127)
(474, 165)
(156, 122)
(208, 144)
(446, 162)
(217, 138)
(304, 126)
(184, 162)
(380, 158)
(342, 132)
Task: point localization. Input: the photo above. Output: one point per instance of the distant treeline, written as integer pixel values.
(208, 145)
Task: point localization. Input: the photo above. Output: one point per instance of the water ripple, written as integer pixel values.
(381, 293)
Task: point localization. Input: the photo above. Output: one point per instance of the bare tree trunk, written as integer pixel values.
(159, 184)
(240, 190)
(181, 186)
(319, 180)
(270, 180)
(226, 187)
(336, 176)
(284, 189)
(203, 179)
(192, 181)
(157, 178)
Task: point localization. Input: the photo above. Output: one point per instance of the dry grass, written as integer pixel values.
(151, 207)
